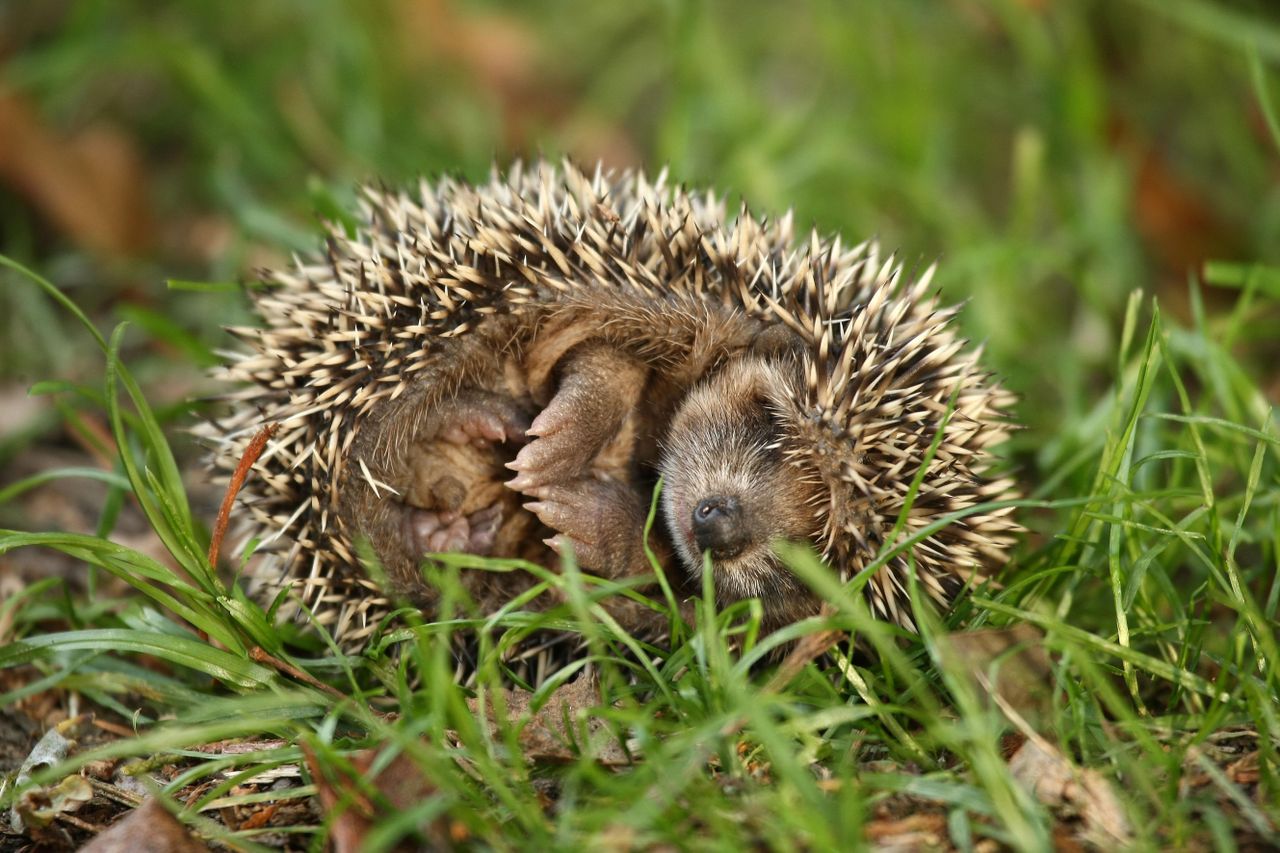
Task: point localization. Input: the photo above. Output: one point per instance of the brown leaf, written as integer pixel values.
(562, 729)
(401, 784)
(1014, 657)
(90, 185)
(1247, 770)
(1059, 784)
(914, 832)
(147, 829)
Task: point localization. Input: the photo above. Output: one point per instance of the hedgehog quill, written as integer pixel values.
(504, 369)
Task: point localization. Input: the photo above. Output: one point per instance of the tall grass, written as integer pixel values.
(982, 132)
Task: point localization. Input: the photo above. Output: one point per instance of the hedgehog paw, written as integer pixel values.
(599, 520)
(558, 453)
(482, 419)
(428, 532)
(597, 391)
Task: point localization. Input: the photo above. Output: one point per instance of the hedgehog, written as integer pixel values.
(506, 368)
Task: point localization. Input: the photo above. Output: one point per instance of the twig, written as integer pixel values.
(260, 655)
(250, 456)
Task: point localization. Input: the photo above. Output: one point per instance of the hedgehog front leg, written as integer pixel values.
(578, 468)
(602, 522)
(599, 387)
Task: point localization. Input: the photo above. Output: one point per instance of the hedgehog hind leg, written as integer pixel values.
(455, 473)
(429, 532)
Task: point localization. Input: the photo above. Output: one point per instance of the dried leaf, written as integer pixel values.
(39, 807)
(1059, 784)
(401, 783)
(150, 828)
(562, 729)
(926, 831)
(90, 185)
(35, 805)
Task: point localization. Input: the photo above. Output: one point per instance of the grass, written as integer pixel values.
(985, 132)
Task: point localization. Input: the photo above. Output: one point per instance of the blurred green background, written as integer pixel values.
(1055, 155)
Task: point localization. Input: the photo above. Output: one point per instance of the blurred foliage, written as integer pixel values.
(1055, 155)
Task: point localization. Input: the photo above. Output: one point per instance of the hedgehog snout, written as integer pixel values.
(719, 526)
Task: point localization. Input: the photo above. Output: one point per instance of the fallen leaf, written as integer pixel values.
(149, 828)
(402, 785)
(914, 832)
(1247, 770)
(91, 185)
(556, 731)
(37, 803)
(38, 807)
(1059, 784)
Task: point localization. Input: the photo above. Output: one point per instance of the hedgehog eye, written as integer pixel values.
(768, 418)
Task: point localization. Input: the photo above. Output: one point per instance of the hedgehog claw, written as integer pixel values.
(483, 429)
(520, 483)
(563, 545)
(552, 419)
(482, 418)
(547, 459)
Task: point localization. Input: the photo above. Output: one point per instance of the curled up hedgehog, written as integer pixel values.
(505, 369)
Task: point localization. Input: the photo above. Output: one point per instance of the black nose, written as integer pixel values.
(718, 526)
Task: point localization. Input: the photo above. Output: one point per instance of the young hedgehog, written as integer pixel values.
(588, 332)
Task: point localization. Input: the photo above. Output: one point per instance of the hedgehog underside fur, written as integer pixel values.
(585, 332)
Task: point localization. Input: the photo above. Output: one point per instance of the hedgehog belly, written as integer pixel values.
(436, 475)
(454, 498)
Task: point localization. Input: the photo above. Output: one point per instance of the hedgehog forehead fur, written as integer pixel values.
(872, 373)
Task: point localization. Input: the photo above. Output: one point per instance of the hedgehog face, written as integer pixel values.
(728, 488)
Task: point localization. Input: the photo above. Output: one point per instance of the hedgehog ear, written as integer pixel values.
(777, 341)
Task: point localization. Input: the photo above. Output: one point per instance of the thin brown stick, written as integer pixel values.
(250, 456)
(260, 655)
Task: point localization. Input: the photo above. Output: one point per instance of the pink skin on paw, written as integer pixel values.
(421, 525)
(484, 529)
(429, 532)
